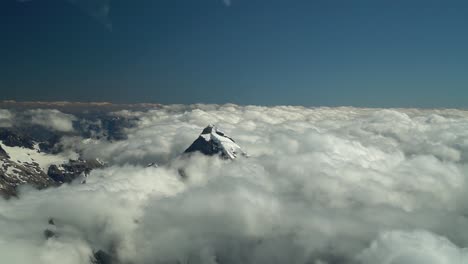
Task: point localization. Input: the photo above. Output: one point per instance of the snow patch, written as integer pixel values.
(31, 156)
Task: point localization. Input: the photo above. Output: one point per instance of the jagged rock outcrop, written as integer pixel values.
(20, 166)
(3, 153)
(51, 231)
(15, 139)
(102, 257)
(152, 165)
(66, 173)
(15, 173)
(212, 142)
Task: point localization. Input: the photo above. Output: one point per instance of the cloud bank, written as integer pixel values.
(321, 185)
(51, 119)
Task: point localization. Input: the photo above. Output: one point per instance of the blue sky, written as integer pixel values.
(372, 53)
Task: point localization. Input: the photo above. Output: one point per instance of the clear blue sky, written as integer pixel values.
(378, 53)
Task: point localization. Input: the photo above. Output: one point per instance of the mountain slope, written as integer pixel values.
(212, 142)
(21, 165)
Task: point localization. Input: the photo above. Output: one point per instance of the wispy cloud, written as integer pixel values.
(98, 9)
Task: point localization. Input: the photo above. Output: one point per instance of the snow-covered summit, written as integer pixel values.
(213, 141)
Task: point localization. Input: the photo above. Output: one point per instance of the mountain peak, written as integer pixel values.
(208, 129)
(213, 141)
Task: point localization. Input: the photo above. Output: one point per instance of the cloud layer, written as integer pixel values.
(321, 185)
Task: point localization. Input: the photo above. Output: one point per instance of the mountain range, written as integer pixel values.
(27, 160)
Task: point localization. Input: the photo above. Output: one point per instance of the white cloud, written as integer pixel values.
(6, 118)
(52, 119)
(320, 186)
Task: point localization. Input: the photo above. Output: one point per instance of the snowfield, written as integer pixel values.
(320, 185)
(30, 156)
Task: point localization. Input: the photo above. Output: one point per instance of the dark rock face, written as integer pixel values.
(105, 126)
(27, 137)
(214, 142)
(12, 139)
(59, 175)
(49, 233)
(152, 165)
(209, 148)
(50, 145)
(17, 168)
(14, 174)
(101, 257)
(66, 173)
(204, 147)
(115, 128)
(3, 153)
